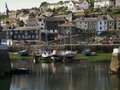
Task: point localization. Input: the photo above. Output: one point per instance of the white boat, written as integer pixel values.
(69, 54)
(46, 54)
(56, 56)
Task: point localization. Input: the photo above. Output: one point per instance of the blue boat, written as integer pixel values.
(87, 52)
(23, 53)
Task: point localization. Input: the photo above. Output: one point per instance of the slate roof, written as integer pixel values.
(85, 19)
(55, 19)
(107, 17)
(67, 24)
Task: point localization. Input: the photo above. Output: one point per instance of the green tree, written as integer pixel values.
(115, 11)
(44, 4)
(61, 2)
(20, 22)
(91, 2)
(49, 10)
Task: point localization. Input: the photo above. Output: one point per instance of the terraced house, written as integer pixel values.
(103, 3)
(117, 22)
(117, 3)
(72, 5)
(26, 36)
(104, 23)
(86, 24)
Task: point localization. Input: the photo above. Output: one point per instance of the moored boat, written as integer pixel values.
(87, 52)
(23, 53)
(56, 56)
(46, 54)
(20, 71)
(69, 54)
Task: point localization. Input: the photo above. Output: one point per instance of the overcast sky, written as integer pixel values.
(19, 4)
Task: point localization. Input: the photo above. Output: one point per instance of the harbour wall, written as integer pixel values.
(5, 64)
(99, 48)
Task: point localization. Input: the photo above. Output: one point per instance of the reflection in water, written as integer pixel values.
(5, 82)
(72, 76)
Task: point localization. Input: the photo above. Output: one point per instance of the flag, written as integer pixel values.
(7, 10)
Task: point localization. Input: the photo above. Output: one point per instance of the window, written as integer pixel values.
(36, 32)
(21, 32)
(40, 19)
(19, 36)
(16, 32)
(110, 27)
(15, 36)
(31, 31)
(37, 37)
(26, 37)
(44, 20)
(41, 28)
(29, 36)
(100, 23)
(42, 24)
(23, 36)
(100, 28)
(105, 22)
(33, 36)
(26, 33)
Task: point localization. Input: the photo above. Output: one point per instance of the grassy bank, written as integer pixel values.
(96, 57)
(15, 56)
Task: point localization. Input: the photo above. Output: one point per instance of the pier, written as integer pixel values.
(5, 64)
(115, 62)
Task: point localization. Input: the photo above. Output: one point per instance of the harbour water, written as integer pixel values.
(64, 76)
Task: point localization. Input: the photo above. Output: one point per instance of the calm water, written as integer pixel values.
(71, 76)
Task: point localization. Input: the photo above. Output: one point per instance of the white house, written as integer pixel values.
(117, 3)
(54, 5)
(23, 16)
(105, 23)
(103, 3)
(75, 5)
(41, 21)
(83, 4)
(71, 6)
(6, 37)
(101, 24)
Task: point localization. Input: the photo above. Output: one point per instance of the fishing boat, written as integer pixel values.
(87, 52)
(56, 56)
(20, 71)
(46, 54)
(69, 54)
(23, 53)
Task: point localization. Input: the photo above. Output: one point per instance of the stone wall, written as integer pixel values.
(115, 63)
(5, 64)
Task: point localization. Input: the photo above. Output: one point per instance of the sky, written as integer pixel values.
(19, 4)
